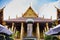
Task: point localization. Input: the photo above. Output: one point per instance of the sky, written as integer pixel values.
(4, 3)
(18, 7)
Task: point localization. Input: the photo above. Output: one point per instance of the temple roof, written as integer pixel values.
(58, 9)
(23, 19)
(30, 13)
(2, 9)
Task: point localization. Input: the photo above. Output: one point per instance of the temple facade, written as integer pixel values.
(29, 25)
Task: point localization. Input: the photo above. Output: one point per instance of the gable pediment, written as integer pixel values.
(30, 13)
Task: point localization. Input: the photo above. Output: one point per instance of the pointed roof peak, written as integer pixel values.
(30, 7)
(29, 11)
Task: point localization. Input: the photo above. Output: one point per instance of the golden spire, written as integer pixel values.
(51, 17)
(9, 18)
(30, 4)
(43, 16)
(16, 16)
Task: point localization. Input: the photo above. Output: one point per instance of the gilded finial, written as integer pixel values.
(16, 16)
(31, 3)
(9, 18)
(43, 16)
(51, 17)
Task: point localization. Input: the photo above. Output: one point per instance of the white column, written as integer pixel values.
(47, 26)
(12, 26)
(45, 29)
(22, 31)
(15, 29)
(43, 33)
(38, 32)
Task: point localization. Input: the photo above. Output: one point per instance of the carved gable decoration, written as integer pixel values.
(30, 13)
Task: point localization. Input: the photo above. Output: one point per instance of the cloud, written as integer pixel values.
(48, 10)
(18, 7)
(3, 3)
